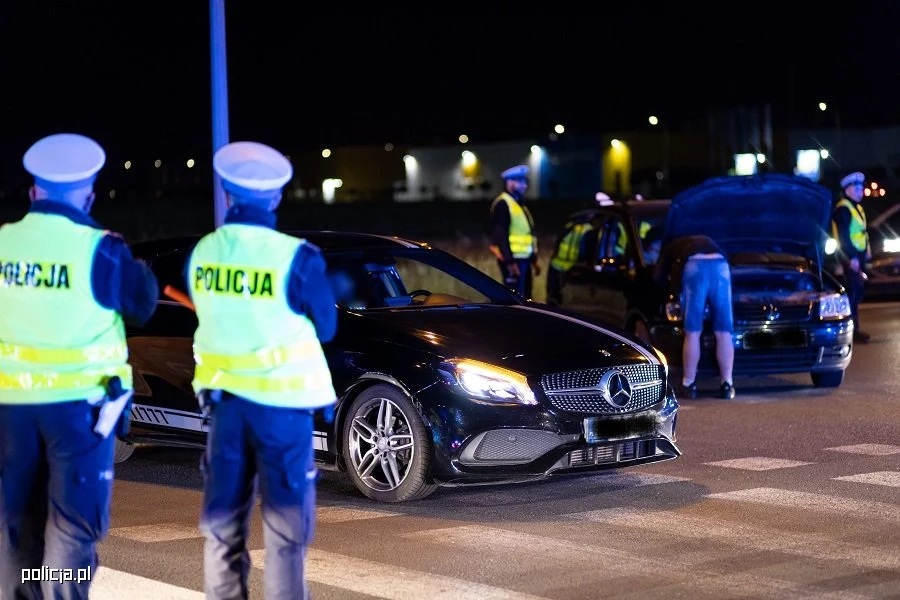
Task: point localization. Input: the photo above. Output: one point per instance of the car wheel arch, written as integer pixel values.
(362, 383)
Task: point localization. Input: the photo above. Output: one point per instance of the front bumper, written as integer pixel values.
(829, 348)
(483, 444)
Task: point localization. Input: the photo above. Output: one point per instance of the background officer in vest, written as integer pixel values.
(514, 242)
(849, 229)
(65, 287)
(573, 247)
(264, 307)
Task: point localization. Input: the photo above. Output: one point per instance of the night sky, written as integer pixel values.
(137, 79)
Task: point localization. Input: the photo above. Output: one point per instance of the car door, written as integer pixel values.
(614, 270)
(579, 287)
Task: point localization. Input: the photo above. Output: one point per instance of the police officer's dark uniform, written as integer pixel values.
(513, 239)
(849, 229)
(65, 287)
(264, 307)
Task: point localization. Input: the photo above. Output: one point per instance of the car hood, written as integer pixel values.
(530, 339)
(757, 213)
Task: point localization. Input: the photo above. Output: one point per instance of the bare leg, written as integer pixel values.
(690, 356)
(725, 355)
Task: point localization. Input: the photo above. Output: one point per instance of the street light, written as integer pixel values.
(823, 107)
(559, 129)
(653, 120)
(616, 144)
(463, 139)
(326, 153)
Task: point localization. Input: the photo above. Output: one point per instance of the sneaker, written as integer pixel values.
(689, 391)
(727, 391)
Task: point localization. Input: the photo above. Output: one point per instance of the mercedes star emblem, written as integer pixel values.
(616, 388)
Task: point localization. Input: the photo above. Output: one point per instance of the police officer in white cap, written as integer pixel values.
(264, 307)
(66, 285)
(849, 228)
(513, 239)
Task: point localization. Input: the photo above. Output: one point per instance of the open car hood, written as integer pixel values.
(757, 213)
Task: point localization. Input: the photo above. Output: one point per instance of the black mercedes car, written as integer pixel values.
(790, 314)
(444, 376)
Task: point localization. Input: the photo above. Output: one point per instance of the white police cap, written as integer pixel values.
(517, 172)
(853, 179)
(252, 170)
(64, 161)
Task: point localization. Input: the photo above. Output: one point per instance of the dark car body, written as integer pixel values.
(773, 229)
(484, 386)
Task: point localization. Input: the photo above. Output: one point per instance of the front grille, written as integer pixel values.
(600, 455)
(761, 313)
(578, 391)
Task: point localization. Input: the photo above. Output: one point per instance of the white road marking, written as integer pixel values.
(617, 563)
(868, 449)
(757, 463)
(888, 478)
(339, 514)
(390, 582)
(743, 535)
(160, 532)
(864, 509)
(109, 584)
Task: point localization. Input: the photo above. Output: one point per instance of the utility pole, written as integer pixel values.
(219, 72)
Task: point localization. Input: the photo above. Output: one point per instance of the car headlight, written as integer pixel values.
(673, 311)
(489, 382)
(892, 245)
(831, 246)
(834, 306)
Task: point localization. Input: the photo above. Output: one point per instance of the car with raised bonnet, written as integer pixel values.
(791, 315)
(444, 377)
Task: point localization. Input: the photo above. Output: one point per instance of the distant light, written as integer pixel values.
(409, 159)
(388, 147)
(559, 129)
(468, 158)
(127, 164)
(874, 186)
(157, 163)
(463, 139)
(328, 188)
(326, 153)
(190, 163)
(535, 149)
(830, 246)
(881, 192)
(760, 158)
(892, 245)
(868, 192)
(615, 144)
(744, 164)
(112, 194)
(823, 107)
(653, 120)
(823, 153)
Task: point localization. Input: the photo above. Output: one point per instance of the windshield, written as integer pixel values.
(411, 278)
(649, 226)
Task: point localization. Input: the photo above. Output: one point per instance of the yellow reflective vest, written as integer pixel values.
(858, 234)
(57, 343)
(522, 240)
(569, 251)
(248, 340)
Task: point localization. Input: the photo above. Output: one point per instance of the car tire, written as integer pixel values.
(377, 471)
(121, 451)
(640, 330)
(827, 379)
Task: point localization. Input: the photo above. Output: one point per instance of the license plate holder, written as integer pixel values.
(775, 339)
(615, 428)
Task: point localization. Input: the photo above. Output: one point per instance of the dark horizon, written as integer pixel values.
(303, 78)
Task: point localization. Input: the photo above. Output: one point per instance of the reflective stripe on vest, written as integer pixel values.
(522, 241)
(248, 340)
(569, 251)
(57, 343)
(858, 234)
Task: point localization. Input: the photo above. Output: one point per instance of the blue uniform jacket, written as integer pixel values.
(309, 292)
(118, 281)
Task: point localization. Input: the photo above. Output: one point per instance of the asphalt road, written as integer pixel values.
(785, 492)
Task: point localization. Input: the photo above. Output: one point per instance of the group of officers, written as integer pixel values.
(696, 264)
(67, 289)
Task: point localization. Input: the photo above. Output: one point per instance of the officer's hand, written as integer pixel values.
(328, 413)
(514, 269)
(537, 268)
(854, 264)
